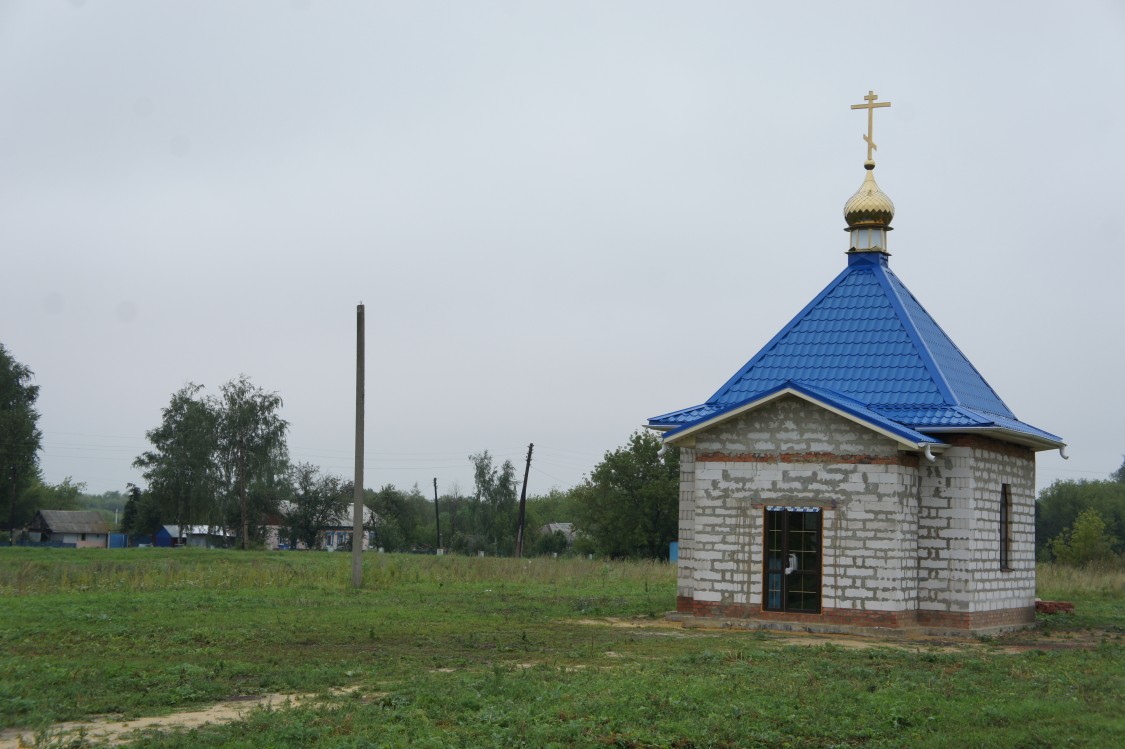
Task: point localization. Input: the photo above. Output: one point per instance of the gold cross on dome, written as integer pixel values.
(870, 107)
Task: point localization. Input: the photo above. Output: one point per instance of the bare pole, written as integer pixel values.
(242, 487)
(523, 503)
(12, 517)
(357, 508)
(437, 515)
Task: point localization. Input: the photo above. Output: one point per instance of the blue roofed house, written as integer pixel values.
(858, 471)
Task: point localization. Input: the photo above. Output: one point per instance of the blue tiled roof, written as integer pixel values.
(865, 338)
(687, 415)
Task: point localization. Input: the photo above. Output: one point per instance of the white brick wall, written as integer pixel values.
(894, 537)
(869, 510)
(959, 533)
(685, 567)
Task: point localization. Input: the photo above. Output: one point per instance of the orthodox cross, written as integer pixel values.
(870, 107)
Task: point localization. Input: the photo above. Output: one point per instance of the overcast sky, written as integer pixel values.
(563, 218)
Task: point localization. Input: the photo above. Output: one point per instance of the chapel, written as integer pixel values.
(858, 471)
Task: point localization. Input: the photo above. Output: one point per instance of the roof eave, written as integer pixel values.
(1004, 434)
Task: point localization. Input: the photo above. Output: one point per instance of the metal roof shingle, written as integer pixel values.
(866, 338)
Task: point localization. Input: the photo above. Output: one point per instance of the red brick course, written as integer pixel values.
(1054, 607)
(977, 619)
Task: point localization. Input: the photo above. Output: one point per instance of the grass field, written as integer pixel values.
(469, 652)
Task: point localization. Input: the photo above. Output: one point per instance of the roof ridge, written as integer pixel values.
(1007, 412)
(881, 272)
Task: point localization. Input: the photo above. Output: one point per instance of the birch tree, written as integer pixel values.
(252, 452)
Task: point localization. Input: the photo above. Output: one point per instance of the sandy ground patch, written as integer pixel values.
(108, 731)
(658, 624)
(1019, 642)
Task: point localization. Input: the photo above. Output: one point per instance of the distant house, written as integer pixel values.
(200, 536)
(336, 533)
(168, 536)
(209, 537)
(83, 529)
(567, 529)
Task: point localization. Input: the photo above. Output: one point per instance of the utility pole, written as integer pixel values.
(242, 488)
(12, 517)
(452, 519)
(523, 503)
(357, 504)
(437, 515)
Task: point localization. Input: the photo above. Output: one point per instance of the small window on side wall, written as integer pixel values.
(1005, 526)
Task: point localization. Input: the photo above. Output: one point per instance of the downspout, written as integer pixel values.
(929, 455)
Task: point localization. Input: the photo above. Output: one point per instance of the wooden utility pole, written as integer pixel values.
(241, 491)
(357, 508)
(523, 503)
(437, 516)
(12, 516)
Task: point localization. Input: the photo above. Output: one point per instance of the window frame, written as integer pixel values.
(1005, 529)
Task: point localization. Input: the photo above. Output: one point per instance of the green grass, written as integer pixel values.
(468, 652)
(1098, 589)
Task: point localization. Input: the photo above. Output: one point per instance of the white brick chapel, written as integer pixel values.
(858, 471)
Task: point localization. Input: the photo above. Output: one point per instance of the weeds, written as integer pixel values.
(1060, 581)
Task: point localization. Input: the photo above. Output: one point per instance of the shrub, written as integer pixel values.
(1084, 542)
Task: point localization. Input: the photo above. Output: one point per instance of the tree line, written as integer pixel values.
(221, 460)
(1082, 522)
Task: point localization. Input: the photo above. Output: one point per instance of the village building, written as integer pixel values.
(858, 472)
(335, 534)
(80, 529)
(566, 529)
(197, 536)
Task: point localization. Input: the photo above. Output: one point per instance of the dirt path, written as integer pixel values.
(108, 731)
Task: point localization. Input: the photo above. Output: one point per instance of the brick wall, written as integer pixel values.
(904, 540)
(996, 463)
(945, 513)
(685, 567)
(794, 453)
(959, 528)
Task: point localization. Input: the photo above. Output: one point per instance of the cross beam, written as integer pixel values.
(870, 106)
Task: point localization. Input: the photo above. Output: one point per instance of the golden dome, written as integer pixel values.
(870, 206)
